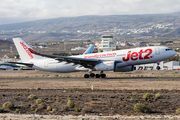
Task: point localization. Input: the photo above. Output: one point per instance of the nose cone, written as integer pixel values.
(174, 52)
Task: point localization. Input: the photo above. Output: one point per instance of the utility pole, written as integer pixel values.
(11, 49)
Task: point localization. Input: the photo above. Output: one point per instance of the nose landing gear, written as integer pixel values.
(158, 67)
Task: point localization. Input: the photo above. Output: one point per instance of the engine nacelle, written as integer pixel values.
(105, 66)
(112, 65)
(124, 69)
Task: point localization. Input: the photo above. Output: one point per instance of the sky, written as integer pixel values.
(13, 11)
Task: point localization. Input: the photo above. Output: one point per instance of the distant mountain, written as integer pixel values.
(171, 34)
(6, 41)
(94, 22)
(176, 13)
(65, 28)
(5, 44)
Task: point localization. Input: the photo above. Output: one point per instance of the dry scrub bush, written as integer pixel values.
(154, 90)
(38, 88)
(49, 108)
(54, 110)
(41, 106)
(32, 96)
(77, 109)
(132, 99)
(158, 96)
(8, 105)
(169, 89)
(38, 101)
(45, 75)
(32, 106)
(17, 110)
(36, 110)
(55, 75)
(20, 106)
(178, 111)
(139, 107)
(147, 96)
(70, 103)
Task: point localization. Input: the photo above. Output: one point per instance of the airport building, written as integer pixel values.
(107, 43)
(164, 65)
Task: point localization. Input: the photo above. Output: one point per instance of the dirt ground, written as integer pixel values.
(109, 97)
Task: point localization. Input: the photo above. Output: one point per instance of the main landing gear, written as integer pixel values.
(102, 75)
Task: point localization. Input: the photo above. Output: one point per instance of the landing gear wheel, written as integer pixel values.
(103, 75)
(86, 76)
(98, 76)
(92, 75)
(158, 68)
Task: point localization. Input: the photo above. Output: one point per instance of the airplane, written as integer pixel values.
(4, 67)
(9, 64)
(89, 50)
(117, 61)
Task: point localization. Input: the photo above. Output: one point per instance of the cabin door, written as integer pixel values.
(157, 51)
(46, 63)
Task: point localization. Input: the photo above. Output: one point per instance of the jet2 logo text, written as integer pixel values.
(138, 55)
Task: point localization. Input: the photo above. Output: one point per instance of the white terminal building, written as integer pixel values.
(107, 43)
(164, 65)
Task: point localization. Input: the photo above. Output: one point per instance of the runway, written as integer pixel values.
(118, 83)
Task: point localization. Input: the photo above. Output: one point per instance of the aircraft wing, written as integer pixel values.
(87, 63)
(20, 63)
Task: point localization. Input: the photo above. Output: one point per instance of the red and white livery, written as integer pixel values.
(117, 61)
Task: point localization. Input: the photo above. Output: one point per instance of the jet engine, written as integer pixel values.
(105, 66)
(124, 69)
(112, 65)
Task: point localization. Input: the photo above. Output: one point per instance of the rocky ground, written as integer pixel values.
(95, 102)
(111, 98)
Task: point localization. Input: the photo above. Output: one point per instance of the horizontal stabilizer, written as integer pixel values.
(26, 64)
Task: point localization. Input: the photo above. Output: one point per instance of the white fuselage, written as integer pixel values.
(126, 57)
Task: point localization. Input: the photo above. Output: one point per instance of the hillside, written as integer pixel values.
(91, 27)
(171, 34)
(4, 44)
(5, 48)
(94, 22)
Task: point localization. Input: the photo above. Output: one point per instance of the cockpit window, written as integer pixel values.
(168, 49)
